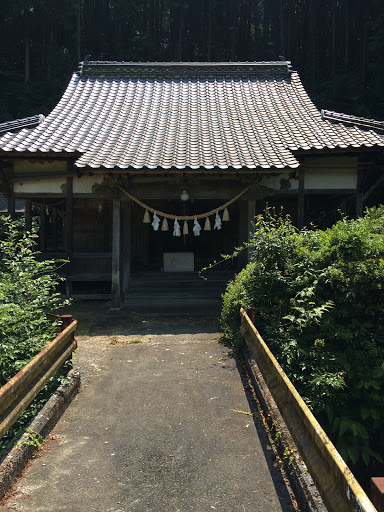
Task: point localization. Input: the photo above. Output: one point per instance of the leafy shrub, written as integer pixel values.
(27, 298)
(319, 299)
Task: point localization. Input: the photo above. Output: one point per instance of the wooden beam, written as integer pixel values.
(314, 192)
(20, 177)
(373, 188)
(116, 255)
(35, 195)
(183, 172)
(300, 200)
(92, 255)
(168, 189)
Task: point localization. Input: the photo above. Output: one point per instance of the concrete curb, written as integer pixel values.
(306, 493)
(17, 459)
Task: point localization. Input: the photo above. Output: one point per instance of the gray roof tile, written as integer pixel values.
(196, 115)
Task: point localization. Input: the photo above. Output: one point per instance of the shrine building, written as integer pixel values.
(149, 169)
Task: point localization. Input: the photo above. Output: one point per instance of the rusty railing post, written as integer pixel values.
(66, 320)
(377, 492)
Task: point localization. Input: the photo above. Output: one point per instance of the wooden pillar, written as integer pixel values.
(69, 233)
(43, 228)
(126, 234)
(251, 222)
(242, 232)
(359, 204)
(300, 200)
(28, 215)
(11, 203)
(116, 255)
(359, 193)
(343, 206)
(54, 228)
(8, 188)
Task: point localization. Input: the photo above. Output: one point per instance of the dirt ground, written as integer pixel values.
(99, 327)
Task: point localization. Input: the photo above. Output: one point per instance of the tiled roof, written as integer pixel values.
(186, 115)
(18, 124)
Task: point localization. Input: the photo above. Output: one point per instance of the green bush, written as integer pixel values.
(27, 298)
(319, 299)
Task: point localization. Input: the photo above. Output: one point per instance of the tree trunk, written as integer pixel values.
(364, 52)
(347, 29)
(234, 30)
(209, 42)
(78, 34)
(180, 32)
(27, 53)
(333, 45)
(282, 29)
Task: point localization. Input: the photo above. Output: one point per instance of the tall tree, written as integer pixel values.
(337, 45)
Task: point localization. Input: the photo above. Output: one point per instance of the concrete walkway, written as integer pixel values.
(165, 423)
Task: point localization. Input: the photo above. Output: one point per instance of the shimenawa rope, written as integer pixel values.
(185, 217)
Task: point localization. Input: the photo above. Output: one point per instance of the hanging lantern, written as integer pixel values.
(226, 215)
(185, 228)
(147, 218)
(207, 225)
(164, 226)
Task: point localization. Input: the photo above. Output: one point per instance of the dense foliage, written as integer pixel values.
(27, 296)
(336, 45)
(319, 299)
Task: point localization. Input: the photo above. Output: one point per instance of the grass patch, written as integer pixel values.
(116, 341)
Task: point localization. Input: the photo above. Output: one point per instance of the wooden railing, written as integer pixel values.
(18, 393)
(338, 487)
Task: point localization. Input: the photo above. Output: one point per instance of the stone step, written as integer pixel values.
(177, 286)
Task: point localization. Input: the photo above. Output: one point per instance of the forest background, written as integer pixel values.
(337, 46)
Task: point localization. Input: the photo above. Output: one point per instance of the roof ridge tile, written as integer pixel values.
(120, 69)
